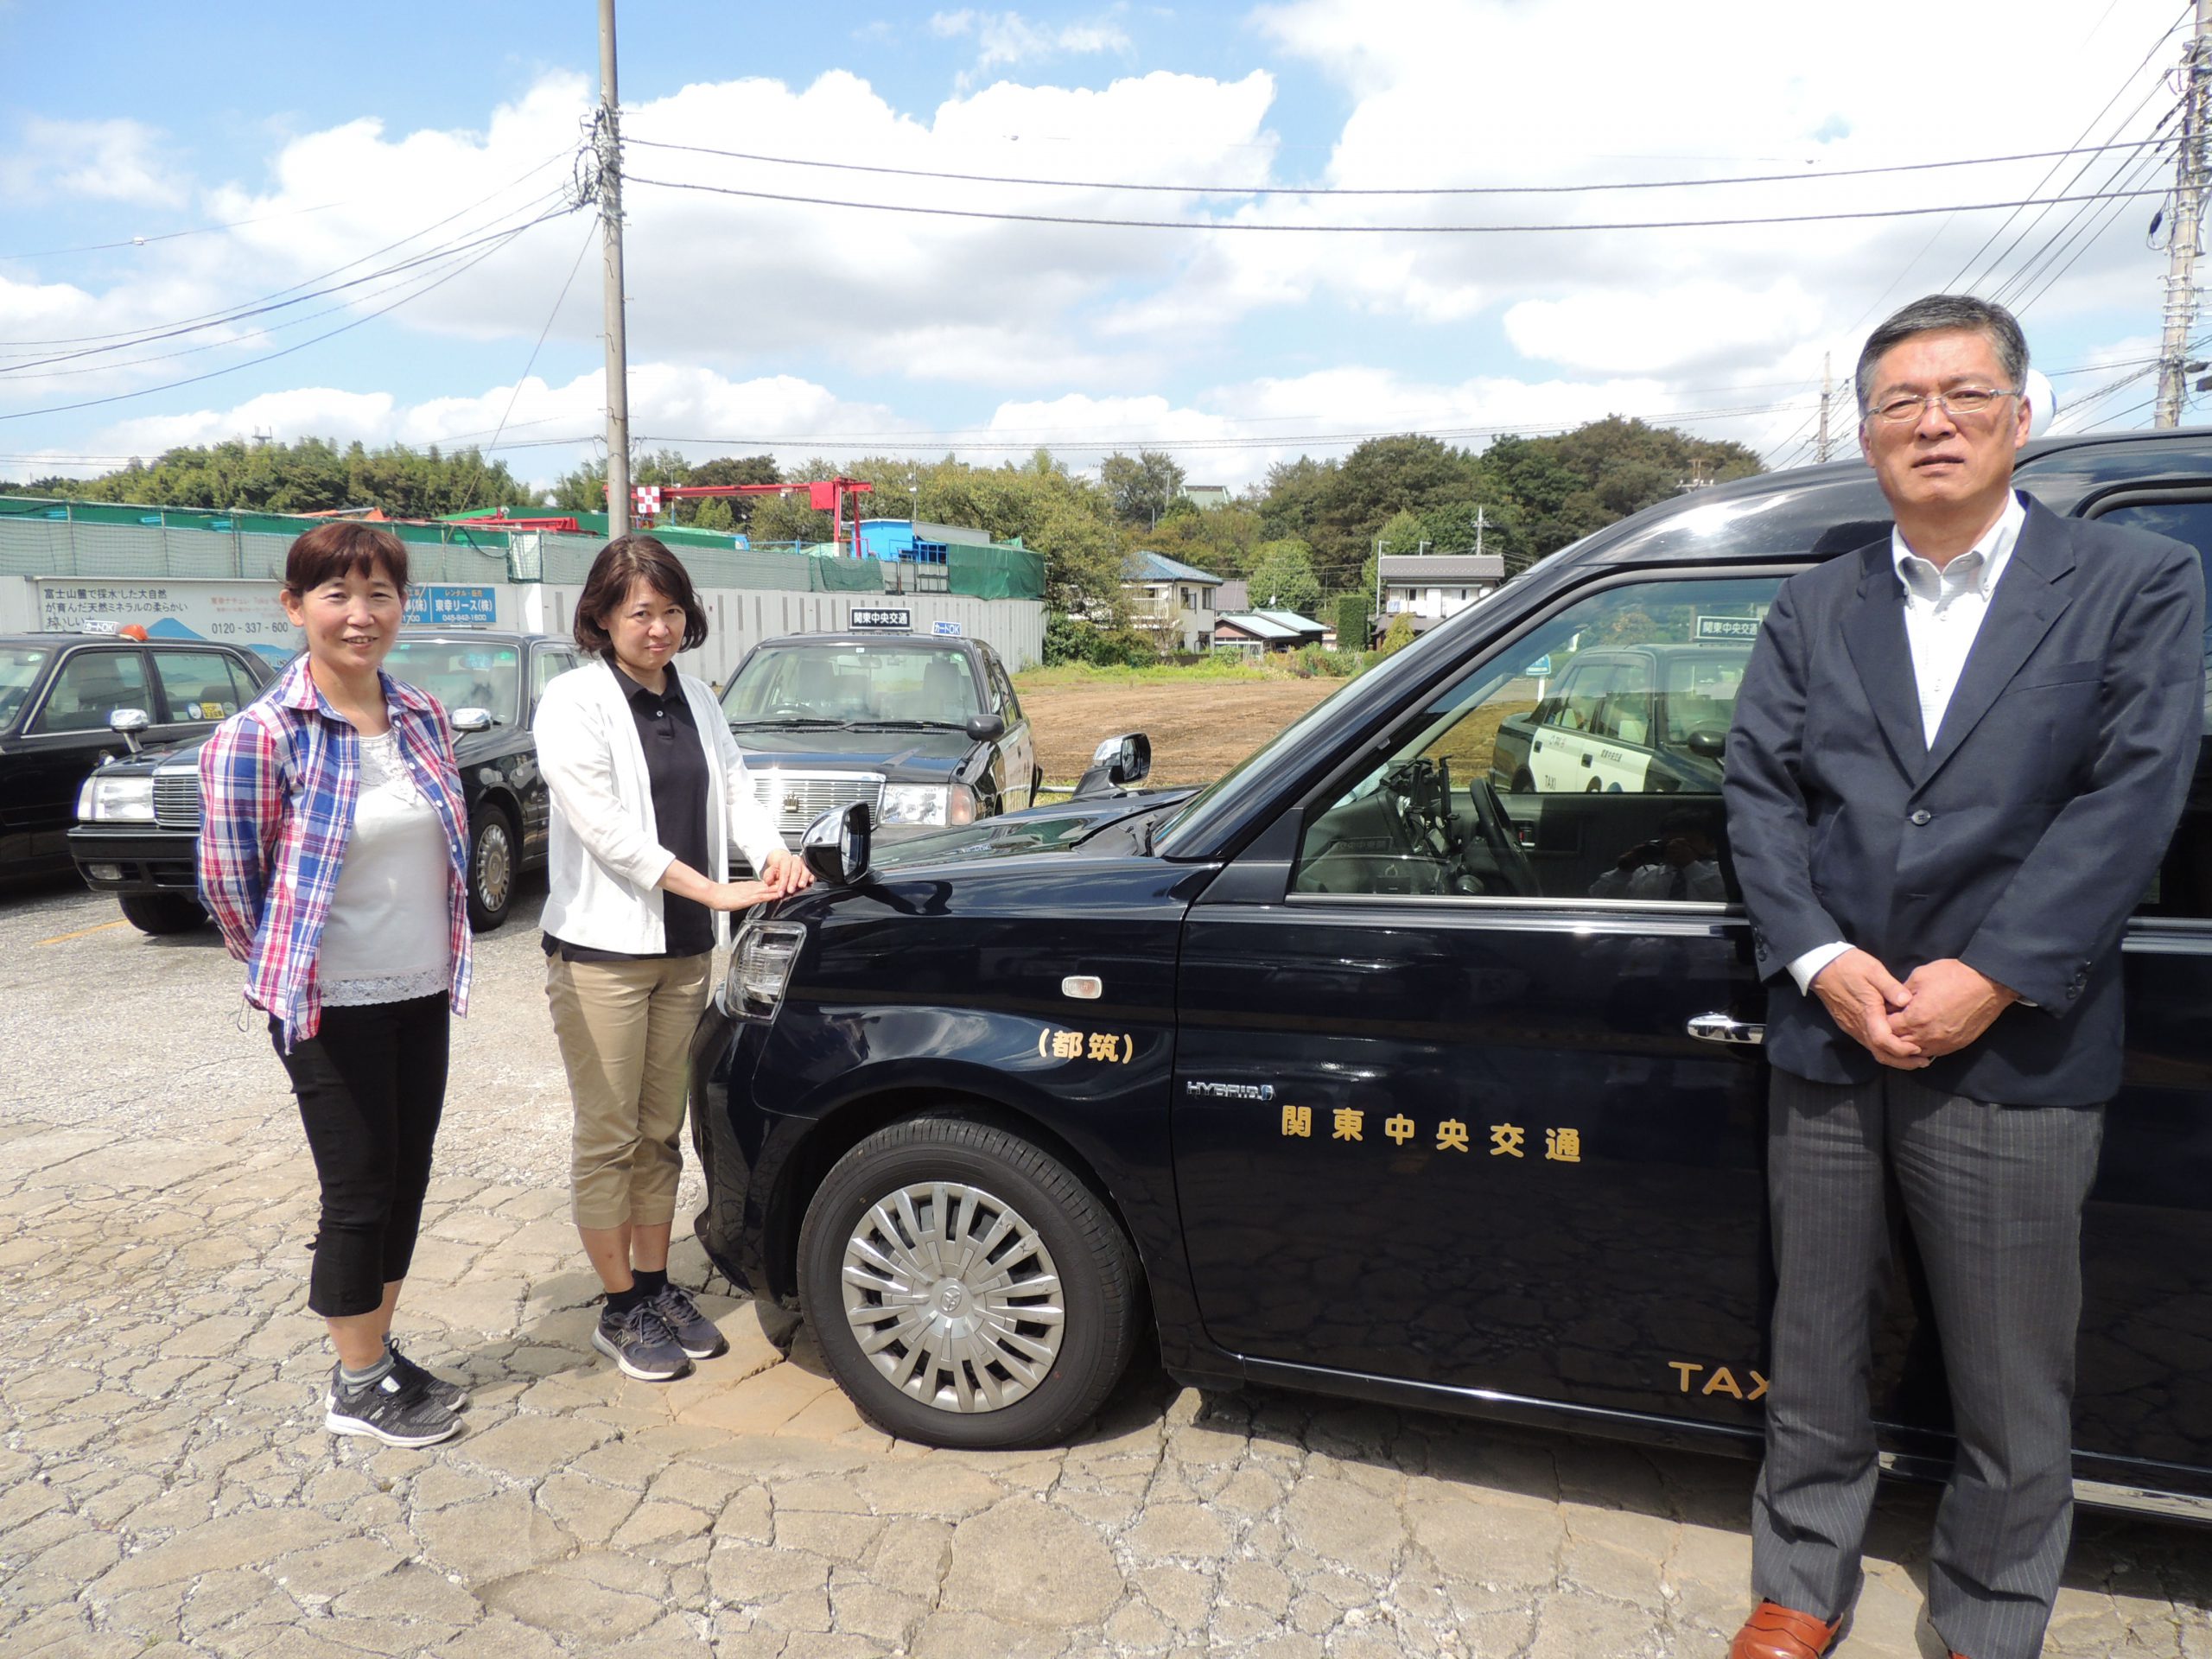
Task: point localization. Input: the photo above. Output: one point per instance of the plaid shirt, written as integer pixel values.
(278, 781)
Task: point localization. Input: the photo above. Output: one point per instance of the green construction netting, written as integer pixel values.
(995, 572)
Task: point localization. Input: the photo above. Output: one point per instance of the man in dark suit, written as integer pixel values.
(1957, 757)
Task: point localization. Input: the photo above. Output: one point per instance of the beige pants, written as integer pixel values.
(624, 1030)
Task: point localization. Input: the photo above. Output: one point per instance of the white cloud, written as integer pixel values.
(117, 160)
(1008, 38)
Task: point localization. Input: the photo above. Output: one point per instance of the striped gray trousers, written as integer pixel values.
(1993, 1195)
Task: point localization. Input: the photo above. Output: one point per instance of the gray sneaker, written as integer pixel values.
(640, 1342)
(388, 1410)
(694, 1332)
(436, 1389)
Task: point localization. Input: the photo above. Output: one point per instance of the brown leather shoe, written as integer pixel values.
(1774, 1631)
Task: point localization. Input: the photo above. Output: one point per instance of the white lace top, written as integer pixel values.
(388, 938)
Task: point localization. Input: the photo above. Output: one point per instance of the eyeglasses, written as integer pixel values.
(1962, 402)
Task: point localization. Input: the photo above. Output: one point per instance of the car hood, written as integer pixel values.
(902, 755)
(1082, 829)
(147, 760)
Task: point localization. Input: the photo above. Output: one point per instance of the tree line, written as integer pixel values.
(1305, 535)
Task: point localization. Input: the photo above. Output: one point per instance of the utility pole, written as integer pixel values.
(607, 140)
(1479, 527)
(2189, 209)
(1828, 391)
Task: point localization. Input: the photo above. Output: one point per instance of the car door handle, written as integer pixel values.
(1585, 759)
(1724, 1028)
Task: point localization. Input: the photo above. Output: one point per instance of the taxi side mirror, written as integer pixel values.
(130, 724)
(1117, 763)
(835, 845)
(471, 720)
(984, 727)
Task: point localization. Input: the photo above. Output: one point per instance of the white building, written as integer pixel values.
(1433, 585)
(1171, 601)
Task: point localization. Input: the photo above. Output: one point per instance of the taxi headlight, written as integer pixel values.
(111, 800)
(917, 804)
(761, 967)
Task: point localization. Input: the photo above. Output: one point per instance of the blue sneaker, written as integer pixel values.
(640, 1342)
(694, 1332)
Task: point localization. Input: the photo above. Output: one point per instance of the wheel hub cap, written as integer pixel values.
(953, 1297)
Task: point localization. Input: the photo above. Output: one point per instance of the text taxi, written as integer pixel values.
(1360, 1072)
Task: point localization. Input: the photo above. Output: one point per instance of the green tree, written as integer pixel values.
(1282, 578)
(1140, 488)
(1399, 634)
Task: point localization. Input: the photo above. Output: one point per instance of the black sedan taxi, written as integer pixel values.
(58, 695)
(926, 730)
(1354, 1074)
(137, 828)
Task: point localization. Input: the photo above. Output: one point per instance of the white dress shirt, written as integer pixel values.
(1943, 611)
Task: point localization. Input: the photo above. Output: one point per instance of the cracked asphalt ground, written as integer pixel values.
(165, 1482)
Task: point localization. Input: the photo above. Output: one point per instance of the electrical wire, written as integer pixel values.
(171, 235)
(468, 496)
(1351, 230)
(139, 334)
(271, 357)
(1317, 190)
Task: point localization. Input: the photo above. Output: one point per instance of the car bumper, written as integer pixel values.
(135, 858)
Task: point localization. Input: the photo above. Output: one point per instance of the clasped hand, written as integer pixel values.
(1942, 1007)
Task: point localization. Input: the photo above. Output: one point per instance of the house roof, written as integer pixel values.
(1269, 625)
(1145, 565)
(1420, 570)
(1235, 594)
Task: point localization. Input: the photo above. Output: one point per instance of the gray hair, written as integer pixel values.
(1943, 314)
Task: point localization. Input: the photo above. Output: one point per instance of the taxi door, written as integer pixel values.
(1443, 1114)
(1590, 739)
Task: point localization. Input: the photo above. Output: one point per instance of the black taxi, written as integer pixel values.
(137, 829)
(1359, 1072)
(60, 694)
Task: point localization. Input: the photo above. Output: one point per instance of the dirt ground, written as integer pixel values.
(1198, 730)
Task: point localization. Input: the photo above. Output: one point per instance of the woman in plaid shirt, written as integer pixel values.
(334, 854)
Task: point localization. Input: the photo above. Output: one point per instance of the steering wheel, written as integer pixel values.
(1511, 858)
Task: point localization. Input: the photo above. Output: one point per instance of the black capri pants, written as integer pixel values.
(372, 1084)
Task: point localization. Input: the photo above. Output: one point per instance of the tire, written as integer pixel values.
(1524, 783)
(494, 857)
(162, 912)
(1056, 1378)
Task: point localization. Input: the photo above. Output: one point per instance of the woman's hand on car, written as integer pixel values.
(741, 895)
(787, 873)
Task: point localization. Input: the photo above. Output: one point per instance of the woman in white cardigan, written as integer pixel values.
(649, 791)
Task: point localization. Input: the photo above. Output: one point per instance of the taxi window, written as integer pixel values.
(2183, 888)
(1581, 761)
(201, 686)
(91, 685)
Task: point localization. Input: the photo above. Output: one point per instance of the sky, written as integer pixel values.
(363, 223)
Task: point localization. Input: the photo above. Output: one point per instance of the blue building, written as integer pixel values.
(914, 541)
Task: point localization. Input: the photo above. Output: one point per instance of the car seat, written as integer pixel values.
(947, 692)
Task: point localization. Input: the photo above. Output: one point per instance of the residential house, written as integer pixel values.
(1255, 633)
(1432, 586)
(1204, 496)
(1171, 602)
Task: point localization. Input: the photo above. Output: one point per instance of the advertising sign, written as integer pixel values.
(1745, 629)
(247, 613)
(882, 616)
(945, 627)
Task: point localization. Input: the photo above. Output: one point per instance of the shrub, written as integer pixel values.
(1072, 639)
(1399, 635)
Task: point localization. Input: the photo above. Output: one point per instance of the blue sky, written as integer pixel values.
(813, 329)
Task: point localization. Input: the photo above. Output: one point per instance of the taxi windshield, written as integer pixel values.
(19, 667)
(462, 674)
(852, 684)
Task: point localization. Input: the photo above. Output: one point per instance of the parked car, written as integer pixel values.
(58, 693)
(1337, 1076)
(137, 828)
(926, 730)
(1648, 719)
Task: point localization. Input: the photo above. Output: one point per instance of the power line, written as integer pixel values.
(432, 257)
(139, 336)
(271, 357)
(468, 496)
(171, 235)
(1359, 230)
(1319, 190)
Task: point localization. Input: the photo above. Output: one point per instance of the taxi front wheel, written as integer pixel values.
(967, 1288)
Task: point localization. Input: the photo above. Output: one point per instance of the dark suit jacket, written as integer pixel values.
(2019, 844)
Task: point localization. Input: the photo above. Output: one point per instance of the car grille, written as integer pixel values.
(176, 800)
(796, 798)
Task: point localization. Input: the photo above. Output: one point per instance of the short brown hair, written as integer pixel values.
(620, 563)
(344, 547)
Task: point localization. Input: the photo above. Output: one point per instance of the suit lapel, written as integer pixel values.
(2028, 600)
(1873, 632)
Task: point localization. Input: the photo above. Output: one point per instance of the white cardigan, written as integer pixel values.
(604, 852)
